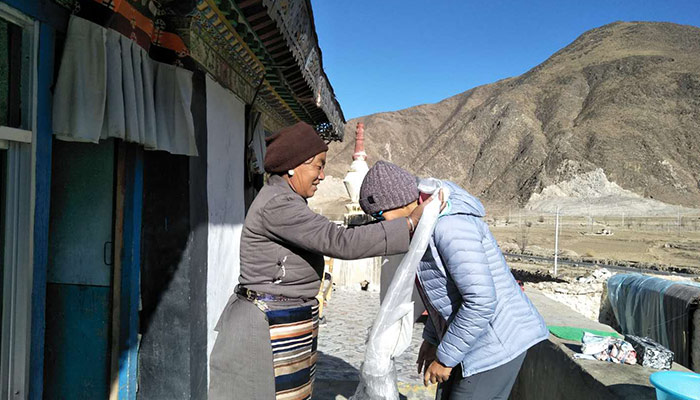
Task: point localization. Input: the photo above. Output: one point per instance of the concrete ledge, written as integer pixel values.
(550, 372)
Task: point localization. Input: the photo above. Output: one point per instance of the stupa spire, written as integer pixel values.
(360, 143)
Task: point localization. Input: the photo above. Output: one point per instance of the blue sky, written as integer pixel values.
(385, 55)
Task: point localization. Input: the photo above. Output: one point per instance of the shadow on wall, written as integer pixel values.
(179, 231)
(173, 318)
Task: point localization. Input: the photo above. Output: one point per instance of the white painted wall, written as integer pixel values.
(225, 174)
(349, 273)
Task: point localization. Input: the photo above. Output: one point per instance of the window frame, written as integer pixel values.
(20, 144)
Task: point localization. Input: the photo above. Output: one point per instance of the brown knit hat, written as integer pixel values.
(291, 146)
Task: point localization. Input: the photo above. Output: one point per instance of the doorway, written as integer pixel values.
(80, 272)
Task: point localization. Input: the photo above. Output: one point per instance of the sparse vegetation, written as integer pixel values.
(524, 237)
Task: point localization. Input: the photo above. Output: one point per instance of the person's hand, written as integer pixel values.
(426, 355)
(418, 211)
(436, 373)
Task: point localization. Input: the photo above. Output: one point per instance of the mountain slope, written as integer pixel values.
(624, 98)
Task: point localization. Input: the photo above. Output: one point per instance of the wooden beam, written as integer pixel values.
(263, 25)
(298, 87)
(43, 144)
(120, 190)
(256, 16)
(130, 270)
(276, 47)
(247, 3)
(284, 62)
(269, 34)
(279, 53)
(296, 81)
(271, 41)
(15, 135)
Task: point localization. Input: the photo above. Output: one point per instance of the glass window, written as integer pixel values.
(4, 71)
(16, 82)
(3, 190)
(4, 88)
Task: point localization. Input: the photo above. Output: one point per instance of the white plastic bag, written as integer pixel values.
(391, 332)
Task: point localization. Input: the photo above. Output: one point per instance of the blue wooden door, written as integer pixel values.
(79, 289)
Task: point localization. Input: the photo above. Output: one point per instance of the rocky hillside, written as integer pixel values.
(624, 98)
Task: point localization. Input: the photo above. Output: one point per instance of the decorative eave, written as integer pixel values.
(264, 51)
(283, 36)
(218, 47)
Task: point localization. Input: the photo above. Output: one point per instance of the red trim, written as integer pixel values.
(142, 27)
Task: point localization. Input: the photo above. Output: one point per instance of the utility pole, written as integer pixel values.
(556, 243)
(623, 220)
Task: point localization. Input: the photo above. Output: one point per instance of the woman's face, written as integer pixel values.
(308, 175)
(401, 212)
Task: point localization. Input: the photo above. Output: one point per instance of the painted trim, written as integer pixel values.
(17, 280)
(16, 135)
(43, 144)
(45, 11)
(199, 226)
(118, 238)
(130, 274)
(19, 226)
(15, 15)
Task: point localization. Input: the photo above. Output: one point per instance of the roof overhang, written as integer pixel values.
(281, 38)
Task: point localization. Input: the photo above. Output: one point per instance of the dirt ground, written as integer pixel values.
(666, 242)
(663, 247)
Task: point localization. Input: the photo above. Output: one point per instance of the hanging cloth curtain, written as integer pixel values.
(108, 87)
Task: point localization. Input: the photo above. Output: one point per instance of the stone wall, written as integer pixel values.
(349, 273)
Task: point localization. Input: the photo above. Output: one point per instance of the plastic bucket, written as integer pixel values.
(676, 385)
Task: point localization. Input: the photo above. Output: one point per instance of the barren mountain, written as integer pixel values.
(624, 98)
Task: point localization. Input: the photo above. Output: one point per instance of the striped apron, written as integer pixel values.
(294, 337)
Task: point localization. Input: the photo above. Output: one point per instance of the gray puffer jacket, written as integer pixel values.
(489, 320)
(283, 243)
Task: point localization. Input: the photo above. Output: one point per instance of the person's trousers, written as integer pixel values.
(492, 384)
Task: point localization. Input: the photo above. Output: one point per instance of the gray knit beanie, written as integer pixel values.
(386, 187)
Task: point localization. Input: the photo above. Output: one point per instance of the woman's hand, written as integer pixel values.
(418, 211)
(436, 373)
(426, 355)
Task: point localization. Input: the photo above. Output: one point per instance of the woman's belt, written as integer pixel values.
(252, 295)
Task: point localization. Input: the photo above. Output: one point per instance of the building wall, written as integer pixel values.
(172, 354)
(349, 273)
(164, 354)
(225, 198)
